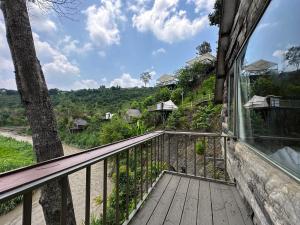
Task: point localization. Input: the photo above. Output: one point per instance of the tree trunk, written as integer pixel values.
(35, 98)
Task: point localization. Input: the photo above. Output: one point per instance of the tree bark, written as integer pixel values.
(38, 107)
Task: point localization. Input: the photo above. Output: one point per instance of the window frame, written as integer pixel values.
(236, 131)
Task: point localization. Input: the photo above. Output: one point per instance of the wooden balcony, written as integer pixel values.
(167, 180)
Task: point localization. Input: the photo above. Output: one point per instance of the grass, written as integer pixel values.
(14, 154)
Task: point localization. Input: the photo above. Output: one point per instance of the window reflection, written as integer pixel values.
(269, 86)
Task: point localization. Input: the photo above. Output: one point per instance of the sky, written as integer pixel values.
(111, 42)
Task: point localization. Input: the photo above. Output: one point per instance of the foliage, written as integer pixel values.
(203, 48)
(176, 95)
(14, 154)
(200, 146)
(293, 56)
(263, 86)
(204, 117)
(164, 94)
(215, 16)
(177, 119)
(191, 76)
(115, 130)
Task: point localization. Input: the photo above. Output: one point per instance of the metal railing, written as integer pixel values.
(145, 158)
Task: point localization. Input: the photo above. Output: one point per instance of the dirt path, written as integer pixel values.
(77, 182)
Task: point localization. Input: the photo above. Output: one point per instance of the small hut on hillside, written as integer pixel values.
(132, 114)
(78, 125)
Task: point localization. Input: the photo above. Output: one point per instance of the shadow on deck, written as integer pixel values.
(177, 199)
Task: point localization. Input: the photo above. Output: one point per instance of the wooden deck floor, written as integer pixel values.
(189, 201)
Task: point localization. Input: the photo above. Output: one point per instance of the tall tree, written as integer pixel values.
(146, 77)
(203, 48)
(293, 56)
(215, 16)
(35, 98)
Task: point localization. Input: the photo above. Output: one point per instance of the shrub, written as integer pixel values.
(200, 147)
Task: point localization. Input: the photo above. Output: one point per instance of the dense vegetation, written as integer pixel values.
(14, 154)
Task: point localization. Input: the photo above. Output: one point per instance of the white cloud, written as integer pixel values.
(102, 22)
(8, 83)
(70, 45)
(166, 22)
(158, 51)
(126, 81)
(279, 53)
(40, 18)
(200, 5)
(85, 84)
(266, 25)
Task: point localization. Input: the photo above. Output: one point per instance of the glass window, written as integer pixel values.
(269, 86)
(230, 108)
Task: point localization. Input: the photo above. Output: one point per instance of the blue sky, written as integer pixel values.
(111, 42)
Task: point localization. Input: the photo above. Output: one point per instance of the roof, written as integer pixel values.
(260, 65)
(166, 79)
(256, 102)
(204, 58)
(80, 122)
(133, 113)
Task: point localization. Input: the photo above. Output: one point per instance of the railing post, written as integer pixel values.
(141, 184)
(186, 149)
(169, 151)
(27, 208)
(63, 212)
(158, 153)
(214, 139)
(87, 194)
(177, 146)
(151, 159)
(104, 190)
(127, 184)
(204, 155)
(135, 177)
(195, 157)
(147, 166)
(225, 158)
(117, 190)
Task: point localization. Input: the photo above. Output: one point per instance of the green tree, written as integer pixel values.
(203, 48)
(163, 94)
(215, 16)
(146, 77)
(293, 56)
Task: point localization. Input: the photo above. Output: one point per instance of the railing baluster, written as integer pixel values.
(117, 190)
(27, 208)
(151, 159)
(214, 141)
(195, 157)
(147, 168)
(104, 190)
(162, 151)
(127, 184)
(225, 158)
(63, 213)
(169, 152)
(158, 153)
(186, 148)
(204, 155)
(177, 146)
(87, 195)
(135, 176)
(141, 184)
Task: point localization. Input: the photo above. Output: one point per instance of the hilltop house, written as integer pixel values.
(78, 125)
(132, 114)
(206, 58)
(263, 148)
(167, 80)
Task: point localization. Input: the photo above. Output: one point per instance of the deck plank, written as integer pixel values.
(204, 216)
(218, 205)
(159, 214)
(246, 216)
(176, 208)
(232, 209)
(143, 215)
(189, 215)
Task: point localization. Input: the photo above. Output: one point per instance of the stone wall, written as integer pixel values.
(272, 196)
